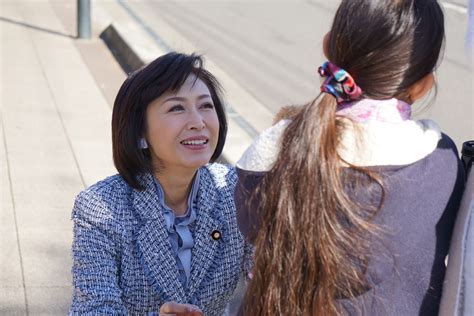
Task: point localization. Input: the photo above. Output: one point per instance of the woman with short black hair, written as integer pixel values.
(161, 236)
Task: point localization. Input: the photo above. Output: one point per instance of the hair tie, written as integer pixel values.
(339, 83)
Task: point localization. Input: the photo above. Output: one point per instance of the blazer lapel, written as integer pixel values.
(206, 224)
(153, 243)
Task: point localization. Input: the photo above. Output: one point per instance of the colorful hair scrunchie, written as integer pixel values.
(339, 83)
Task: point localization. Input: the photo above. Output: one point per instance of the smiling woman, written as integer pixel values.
(145, 239)
(182, 129)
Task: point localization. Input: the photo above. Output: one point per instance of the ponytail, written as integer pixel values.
(311, 247)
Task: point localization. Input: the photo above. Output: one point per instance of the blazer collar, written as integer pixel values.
(153, 242)
(146, 203)
(207, 221)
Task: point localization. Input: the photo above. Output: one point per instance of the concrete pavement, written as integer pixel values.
(55, 140)
(56, 99)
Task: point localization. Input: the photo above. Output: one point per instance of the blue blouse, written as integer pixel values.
(180, 229)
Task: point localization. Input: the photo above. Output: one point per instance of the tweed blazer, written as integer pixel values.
(122, 257)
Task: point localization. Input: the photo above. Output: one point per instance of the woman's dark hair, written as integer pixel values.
(314, 240)
(166, 73)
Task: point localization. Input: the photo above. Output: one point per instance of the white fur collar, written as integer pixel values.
(373, 143)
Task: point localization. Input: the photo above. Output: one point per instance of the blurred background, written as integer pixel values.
(273, 49)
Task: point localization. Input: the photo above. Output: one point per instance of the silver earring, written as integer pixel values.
(142, 144)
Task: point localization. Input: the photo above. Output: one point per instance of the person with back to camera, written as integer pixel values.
(161, 236)
(350, 204)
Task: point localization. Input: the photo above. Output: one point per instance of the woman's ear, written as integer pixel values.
(420, 88)
(326, 44)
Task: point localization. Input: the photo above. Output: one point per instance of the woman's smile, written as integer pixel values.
(195, 142)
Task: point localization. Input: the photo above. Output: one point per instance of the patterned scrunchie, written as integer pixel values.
(339, 83)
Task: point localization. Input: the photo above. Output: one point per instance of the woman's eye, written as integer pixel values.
(207, 106)
(176, 108)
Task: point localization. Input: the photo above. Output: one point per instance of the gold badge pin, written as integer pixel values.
(216, 235)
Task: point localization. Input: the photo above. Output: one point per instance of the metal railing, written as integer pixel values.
(84, 19)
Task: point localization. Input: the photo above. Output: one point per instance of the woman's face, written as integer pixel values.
(182, 127)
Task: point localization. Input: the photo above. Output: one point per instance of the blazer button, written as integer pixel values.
(216, 235)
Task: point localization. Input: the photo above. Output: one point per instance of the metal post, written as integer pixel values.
(84, 18)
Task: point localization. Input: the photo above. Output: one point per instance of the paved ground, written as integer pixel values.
(54, 141)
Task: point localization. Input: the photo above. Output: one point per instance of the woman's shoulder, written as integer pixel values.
(445, 149)
(102, 197)
(447, 142)
(446, 158)
(106, 187)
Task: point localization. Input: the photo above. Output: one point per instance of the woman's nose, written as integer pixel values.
(196, 121)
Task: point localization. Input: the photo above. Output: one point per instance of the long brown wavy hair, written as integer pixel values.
(314, 241)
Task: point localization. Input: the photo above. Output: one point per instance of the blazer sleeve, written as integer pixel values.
(95, 259)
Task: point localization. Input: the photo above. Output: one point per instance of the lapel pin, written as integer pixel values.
(216, 235)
